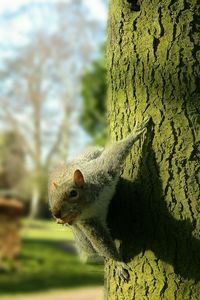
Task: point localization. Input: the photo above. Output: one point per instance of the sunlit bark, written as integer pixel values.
(153, 65)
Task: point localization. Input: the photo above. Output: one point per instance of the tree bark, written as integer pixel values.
(153, 69)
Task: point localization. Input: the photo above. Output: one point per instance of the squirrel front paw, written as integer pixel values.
(141, 127)
(122, 271)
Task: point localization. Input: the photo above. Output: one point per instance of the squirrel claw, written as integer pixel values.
(123, 271)
(143, 125)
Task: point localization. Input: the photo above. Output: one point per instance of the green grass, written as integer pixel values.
(45, 230)
(48, 262)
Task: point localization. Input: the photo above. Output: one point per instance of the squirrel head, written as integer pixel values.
(67, 200)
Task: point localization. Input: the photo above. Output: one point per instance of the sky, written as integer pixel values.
(17, 19)
(97, 8)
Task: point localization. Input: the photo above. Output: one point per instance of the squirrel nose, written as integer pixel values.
(57, 214)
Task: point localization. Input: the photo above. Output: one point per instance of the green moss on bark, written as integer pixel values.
(153, 65)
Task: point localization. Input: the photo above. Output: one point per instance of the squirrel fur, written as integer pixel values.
(80, 193)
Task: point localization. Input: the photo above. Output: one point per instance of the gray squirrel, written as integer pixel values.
(80, 193)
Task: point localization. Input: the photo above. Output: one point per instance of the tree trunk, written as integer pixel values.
(153, 65)
(35, 203)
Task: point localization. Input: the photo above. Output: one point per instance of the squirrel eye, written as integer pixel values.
(73, 194)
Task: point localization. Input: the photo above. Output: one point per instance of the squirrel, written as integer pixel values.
(80, 193)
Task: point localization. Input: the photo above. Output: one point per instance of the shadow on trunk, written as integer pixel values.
(140, 219)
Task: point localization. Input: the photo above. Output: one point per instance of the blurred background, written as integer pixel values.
(52, 105)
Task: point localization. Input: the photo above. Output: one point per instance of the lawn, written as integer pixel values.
(48, 261)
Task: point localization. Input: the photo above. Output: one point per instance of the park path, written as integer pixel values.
(95, 293)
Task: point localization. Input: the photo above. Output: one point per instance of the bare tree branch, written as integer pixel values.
(64, 129)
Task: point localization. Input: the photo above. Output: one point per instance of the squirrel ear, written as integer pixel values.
(55, 185)
(78, 179)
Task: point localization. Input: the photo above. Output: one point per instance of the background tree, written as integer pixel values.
(153, 66)
(93, 91)
(12, 160)
(26, 106)
(40, 89)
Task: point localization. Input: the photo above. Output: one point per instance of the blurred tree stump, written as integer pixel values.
(10, 241)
